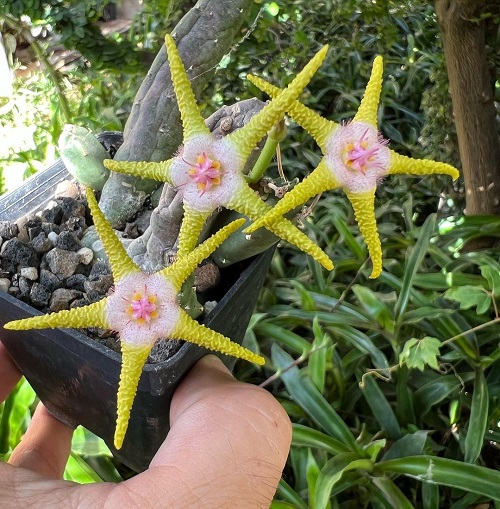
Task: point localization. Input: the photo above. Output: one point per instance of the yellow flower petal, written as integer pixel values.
(120, 262)
(248, 203)
(368, 108)
(190, 330)
(318, 127)
(316, 182)
(406, 165)
(179, 271)
(93, 315)
(192, 121)
(191, 227)
(157, 171)
(246, 138)
(133, 360)
(364, 211)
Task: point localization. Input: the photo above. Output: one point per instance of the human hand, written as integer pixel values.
(227, 446)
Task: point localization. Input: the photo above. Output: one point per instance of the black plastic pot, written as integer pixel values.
(77, 377)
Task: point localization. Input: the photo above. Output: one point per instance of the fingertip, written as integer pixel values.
(212, 363)
(45, 447)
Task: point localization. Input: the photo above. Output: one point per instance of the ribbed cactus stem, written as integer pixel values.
(133, 360)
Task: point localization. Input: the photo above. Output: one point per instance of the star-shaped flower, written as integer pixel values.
(143, 309)
(356, 158)
(208, 170)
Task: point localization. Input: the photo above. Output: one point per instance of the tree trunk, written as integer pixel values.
(472, 93)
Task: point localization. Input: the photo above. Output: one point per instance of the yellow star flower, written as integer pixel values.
(356, 158)
(208, 170)
(143, 309)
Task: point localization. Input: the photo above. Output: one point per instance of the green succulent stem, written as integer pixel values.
(274, 137)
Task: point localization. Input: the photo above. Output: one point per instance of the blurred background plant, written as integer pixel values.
(393, 385)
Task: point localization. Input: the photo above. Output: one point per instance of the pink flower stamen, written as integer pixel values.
(359, 157)
(143, 307)
(205, 173)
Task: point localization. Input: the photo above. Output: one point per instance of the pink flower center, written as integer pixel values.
(360, 157)
(206, 173)
(142, 308)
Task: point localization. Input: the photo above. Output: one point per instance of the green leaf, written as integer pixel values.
(417, 255)
(287, 493)
(374, 306)
(440, 281)
(373, 448)
(418, 353)
(304, 436)
(279, 504)
(306, 300)
(478, 421)
(348, 238)
(332, 472)
(317, 360)
(381, 409)
(77, 470)
(305, 394)
(469, 296)
(447, 472)
(312, 473)
(293, 341)
(86, 443)
(363, 343)
(409, 445)
(492, 275)
(425, 313)
(430, 496)
(434, 392)
(391, 493)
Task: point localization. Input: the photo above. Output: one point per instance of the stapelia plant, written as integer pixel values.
(356, 158)
(142, 309)
(207, 171)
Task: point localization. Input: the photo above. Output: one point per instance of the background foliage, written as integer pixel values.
(393, 385)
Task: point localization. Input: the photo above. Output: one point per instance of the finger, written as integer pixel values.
(45, 447)
(9, 374)
(227, 445)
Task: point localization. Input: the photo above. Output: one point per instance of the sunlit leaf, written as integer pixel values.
(470, 296)
(419, 353)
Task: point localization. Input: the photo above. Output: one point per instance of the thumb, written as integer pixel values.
(227, 445)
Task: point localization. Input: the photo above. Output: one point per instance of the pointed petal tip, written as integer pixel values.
(259, 223)
(118, 441)
(12, 325)
(328, 264)
(237, 223)
(259, 360)
(375, 273)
